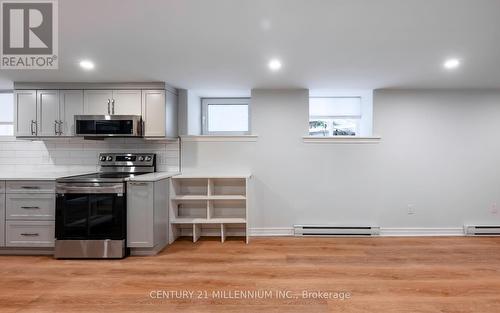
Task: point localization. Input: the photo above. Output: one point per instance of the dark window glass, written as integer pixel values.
(85, 127)
(114, 127)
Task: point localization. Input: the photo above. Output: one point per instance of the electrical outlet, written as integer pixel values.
(411, 209)
(494, 209)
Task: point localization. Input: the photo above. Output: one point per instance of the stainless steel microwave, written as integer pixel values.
(108, 125)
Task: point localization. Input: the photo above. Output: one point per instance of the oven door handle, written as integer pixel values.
(90, 189)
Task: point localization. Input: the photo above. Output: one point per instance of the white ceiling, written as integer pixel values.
(226, 44)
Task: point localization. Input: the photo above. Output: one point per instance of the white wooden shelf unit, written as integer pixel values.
(209, 206)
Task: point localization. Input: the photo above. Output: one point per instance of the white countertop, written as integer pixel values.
(151, 177)
(213, 175)
(33, 175)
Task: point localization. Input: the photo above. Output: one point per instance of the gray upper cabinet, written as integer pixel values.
(109, 102)
(48, 113)
(153, 113)
(70, 104)
(25, 108)
(126, 102)
(171, 108)
(49, 109)
(97, 102)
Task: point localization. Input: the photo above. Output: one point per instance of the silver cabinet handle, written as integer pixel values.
(60, 127)
(30, 187)
(113, 106)
(30, 234)
(30, 207)
(32, 128)
(109, 112)
(55, 127)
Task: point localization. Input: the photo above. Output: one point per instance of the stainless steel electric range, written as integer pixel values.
(91, 210)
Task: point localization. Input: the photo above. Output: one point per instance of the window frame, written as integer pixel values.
(13, 123)
(205, 102)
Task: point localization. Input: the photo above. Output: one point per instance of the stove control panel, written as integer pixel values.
(127, 159)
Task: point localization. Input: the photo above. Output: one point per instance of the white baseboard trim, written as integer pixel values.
(217, 138)
(384, 231)
(271, 232)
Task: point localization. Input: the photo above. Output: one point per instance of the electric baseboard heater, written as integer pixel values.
(335, 231)
(482, 230)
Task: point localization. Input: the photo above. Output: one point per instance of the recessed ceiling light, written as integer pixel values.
(274, 65)
(265, 24)
(451, 64)
(87, 65)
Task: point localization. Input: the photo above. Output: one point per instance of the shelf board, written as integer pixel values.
(190, 197)
(227, 197)
(198, 220)
(216, 197)
(211, 175)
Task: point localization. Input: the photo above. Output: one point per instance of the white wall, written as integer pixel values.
(189, 113)
(78, 154)
(439, 152)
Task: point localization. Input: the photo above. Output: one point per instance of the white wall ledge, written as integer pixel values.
(342, 139)
(218, 138)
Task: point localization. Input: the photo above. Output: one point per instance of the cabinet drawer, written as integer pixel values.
(29, 234)
(2, 186)
(30, 207)
(30, 186)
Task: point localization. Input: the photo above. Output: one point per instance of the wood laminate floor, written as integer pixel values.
(400, 275)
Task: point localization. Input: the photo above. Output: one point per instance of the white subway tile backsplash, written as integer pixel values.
(78, 154)
(58, 153)
(30, 153)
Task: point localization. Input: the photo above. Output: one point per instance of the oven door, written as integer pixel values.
(90, 216)
(90, 220)
(91, 211)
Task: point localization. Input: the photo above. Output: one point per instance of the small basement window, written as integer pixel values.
(331, 116)
(225, 116)
(334, 116)
(6, 113)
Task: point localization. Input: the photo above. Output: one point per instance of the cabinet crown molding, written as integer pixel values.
(83, 85)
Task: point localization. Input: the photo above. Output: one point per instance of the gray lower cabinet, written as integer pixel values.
(147, 214)
(28, 214)
(29, 233)
(30, 207)
(2, 214)
(29, 187)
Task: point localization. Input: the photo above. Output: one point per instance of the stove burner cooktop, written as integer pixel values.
(116, 168)
(100, 177)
